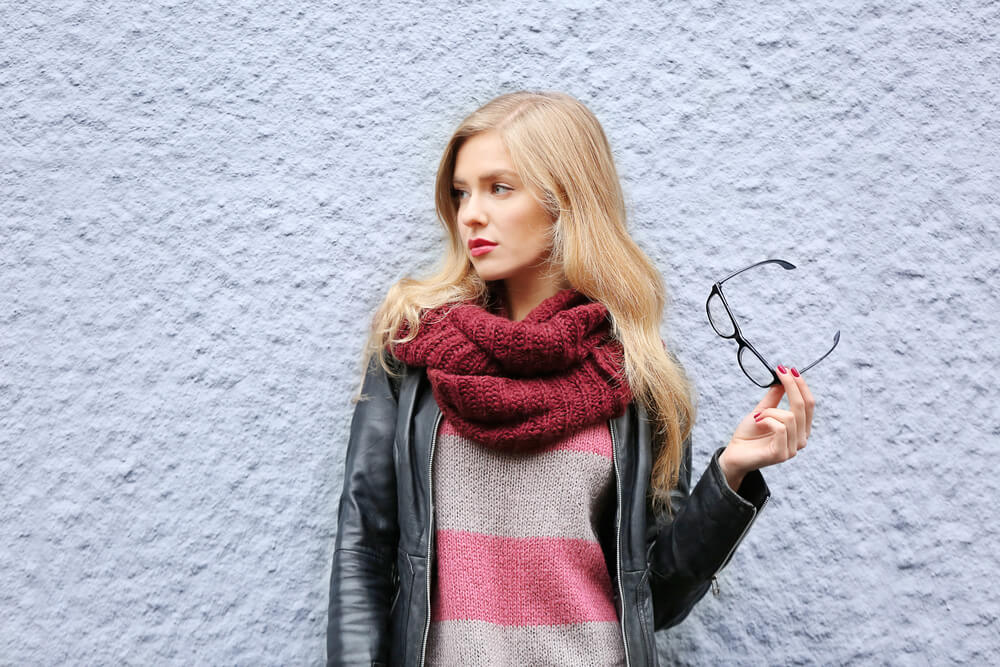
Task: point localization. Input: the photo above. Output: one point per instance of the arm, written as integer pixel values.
(364, 558)
(707, 526)
(687, 553)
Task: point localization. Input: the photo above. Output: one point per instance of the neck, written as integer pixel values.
(523, 297)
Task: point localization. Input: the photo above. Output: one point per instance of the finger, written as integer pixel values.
(780, 419)
(796, 405)
(779, 439)
(810, 402)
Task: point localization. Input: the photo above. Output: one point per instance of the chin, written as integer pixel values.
(491, 274)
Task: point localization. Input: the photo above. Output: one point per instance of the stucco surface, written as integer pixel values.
(203, 202)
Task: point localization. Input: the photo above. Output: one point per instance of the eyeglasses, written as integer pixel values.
(754, 365)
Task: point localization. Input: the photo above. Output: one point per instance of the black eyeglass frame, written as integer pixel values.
(738, 334)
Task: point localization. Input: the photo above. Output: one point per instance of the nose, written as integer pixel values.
(470, 211)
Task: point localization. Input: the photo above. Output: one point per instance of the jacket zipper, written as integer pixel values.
(618, 536)
(753, 517)
(430, 535)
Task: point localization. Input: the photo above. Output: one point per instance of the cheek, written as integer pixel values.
(535, 228)
(541, 231)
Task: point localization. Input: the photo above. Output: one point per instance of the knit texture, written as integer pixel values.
(520, 385)
(519, 577)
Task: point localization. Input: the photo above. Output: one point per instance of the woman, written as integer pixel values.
(517, 482)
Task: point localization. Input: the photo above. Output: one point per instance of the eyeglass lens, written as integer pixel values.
(754, 367)
(719, 318)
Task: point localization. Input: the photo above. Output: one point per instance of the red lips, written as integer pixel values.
(479, 241)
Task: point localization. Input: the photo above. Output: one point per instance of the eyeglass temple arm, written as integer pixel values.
(836, 339)
(780, 262)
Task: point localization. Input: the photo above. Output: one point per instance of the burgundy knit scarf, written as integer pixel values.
(520, 385)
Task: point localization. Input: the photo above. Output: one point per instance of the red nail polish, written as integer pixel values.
(756, 414)
(795, 372)
(757, 419)
(781, 369)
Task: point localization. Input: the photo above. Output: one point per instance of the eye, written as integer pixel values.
(497, 185)
(457, 194)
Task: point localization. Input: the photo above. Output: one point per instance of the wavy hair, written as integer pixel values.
(559, 149)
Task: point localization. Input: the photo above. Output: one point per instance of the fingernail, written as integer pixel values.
(757, 414)
(795, 372)
(756, 418)
(781, 369)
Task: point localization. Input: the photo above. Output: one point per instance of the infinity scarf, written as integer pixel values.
(520, 385)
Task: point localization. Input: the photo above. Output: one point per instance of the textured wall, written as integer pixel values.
(204, 201)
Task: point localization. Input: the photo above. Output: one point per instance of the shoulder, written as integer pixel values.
(399, 371)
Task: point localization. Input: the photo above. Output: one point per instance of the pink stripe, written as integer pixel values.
(595, 438)
(520, 580)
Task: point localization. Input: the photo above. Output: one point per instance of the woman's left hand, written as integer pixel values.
(774, 435)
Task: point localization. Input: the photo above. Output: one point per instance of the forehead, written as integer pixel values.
(481, 157)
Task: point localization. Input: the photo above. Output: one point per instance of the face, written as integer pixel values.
(495, 205)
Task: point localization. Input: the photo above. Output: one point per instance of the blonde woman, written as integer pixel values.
(517, 486)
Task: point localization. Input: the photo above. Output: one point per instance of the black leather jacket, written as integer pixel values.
(379, 587)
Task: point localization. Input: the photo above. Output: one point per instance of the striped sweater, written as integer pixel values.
(519, 575)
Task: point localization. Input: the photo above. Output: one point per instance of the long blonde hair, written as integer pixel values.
(558, 147)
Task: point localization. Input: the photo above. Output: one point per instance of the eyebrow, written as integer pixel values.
(489, 176)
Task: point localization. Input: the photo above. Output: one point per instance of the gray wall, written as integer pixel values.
(204, 201)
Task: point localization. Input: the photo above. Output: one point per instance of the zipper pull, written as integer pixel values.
(715, 586)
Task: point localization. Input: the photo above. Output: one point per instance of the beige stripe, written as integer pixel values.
(473, 643)
(549, 493)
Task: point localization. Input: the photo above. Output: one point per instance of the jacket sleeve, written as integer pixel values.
(708, 524)
(363, 578)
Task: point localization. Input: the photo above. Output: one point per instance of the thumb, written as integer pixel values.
(772, 398)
